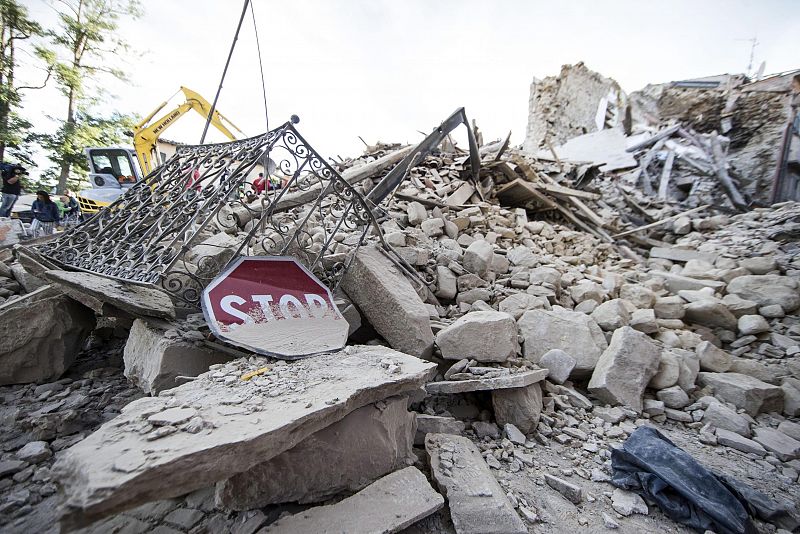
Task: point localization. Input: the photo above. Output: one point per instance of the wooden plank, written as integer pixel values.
(645, 162)
(598, 232)
(568, 191)
(519, 192)
(295, 197)
(553, 151)
(424, 201)
(591, 215)
(662, 221)
(635, 205)
(723, 177)
(460, 195)
(577, 203)
(503, 147)
(663, 134)
(533, 176)
(663, 186)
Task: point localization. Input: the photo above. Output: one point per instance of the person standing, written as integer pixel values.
(12, 188)
(45, 214)
(259, 184)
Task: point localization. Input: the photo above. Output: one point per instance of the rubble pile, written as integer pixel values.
(508, 333)
(14, 280)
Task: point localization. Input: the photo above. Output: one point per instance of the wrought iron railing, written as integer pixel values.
(144, 236)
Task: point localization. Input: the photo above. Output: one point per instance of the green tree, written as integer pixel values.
(16, 28)
(87, 131)
(87, 39)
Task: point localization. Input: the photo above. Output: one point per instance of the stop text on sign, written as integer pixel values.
(275, 306)
(270, 308)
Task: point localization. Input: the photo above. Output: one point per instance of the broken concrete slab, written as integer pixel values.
(791, 396)
(324, 464)
(436, 424)
(518, 303)
(571, 492)
(611, 315)
(520, 407)
(778, 443)
(153, 361)
(27, 280)
(478, 257)
(744, 391)
(625, 368)
(710, 313)
(720, 416)
(10, 230)
(767, 289)
(627, 503)
(389, 302)
(40, 339)
(389, 505)
(484, 336)
(740, 443)
(606, 147)
(515, 380)
(478, 505)
(134, 299)
(575, 333)
(559, 365)
(675, 282)
(712, 358)
(240, 424)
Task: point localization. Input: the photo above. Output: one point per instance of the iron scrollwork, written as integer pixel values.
(146, 235)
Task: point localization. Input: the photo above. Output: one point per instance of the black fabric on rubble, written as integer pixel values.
(652, 466)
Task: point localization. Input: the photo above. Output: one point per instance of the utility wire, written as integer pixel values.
(224, 72)
(260, 66)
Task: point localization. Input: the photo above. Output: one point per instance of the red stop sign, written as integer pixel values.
(274, 306)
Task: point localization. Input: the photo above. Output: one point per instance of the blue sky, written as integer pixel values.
(386, 69)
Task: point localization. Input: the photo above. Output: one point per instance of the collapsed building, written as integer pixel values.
(755, 121)
(516, 318)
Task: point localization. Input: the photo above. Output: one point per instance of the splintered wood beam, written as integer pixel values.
(663, 186)
(662, 221)
(663, 134)
(723, 177)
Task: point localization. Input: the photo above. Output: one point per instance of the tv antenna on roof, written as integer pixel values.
(753, 43)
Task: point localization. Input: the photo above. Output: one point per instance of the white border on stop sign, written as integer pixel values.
(205, 304)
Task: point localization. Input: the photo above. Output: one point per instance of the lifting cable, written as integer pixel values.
(260, 66)
(224, 72)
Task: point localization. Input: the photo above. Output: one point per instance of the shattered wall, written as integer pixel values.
(699, 109)
(752, 115)
(758, 123)
(566, 106)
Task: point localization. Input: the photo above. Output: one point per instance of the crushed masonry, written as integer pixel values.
(513, 315)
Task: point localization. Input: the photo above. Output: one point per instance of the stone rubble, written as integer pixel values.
(553, 326)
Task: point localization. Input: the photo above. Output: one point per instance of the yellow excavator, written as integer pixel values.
(114, 170)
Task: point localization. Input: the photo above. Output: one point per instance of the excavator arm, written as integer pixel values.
(146, 134)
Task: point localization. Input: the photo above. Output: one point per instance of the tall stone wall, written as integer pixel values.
(566, 106)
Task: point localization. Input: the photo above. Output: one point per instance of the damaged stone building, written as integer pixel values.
(523, 325)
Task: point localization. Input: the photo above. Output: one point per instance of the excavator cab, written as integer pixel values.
(114, 170)
(111, 172)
